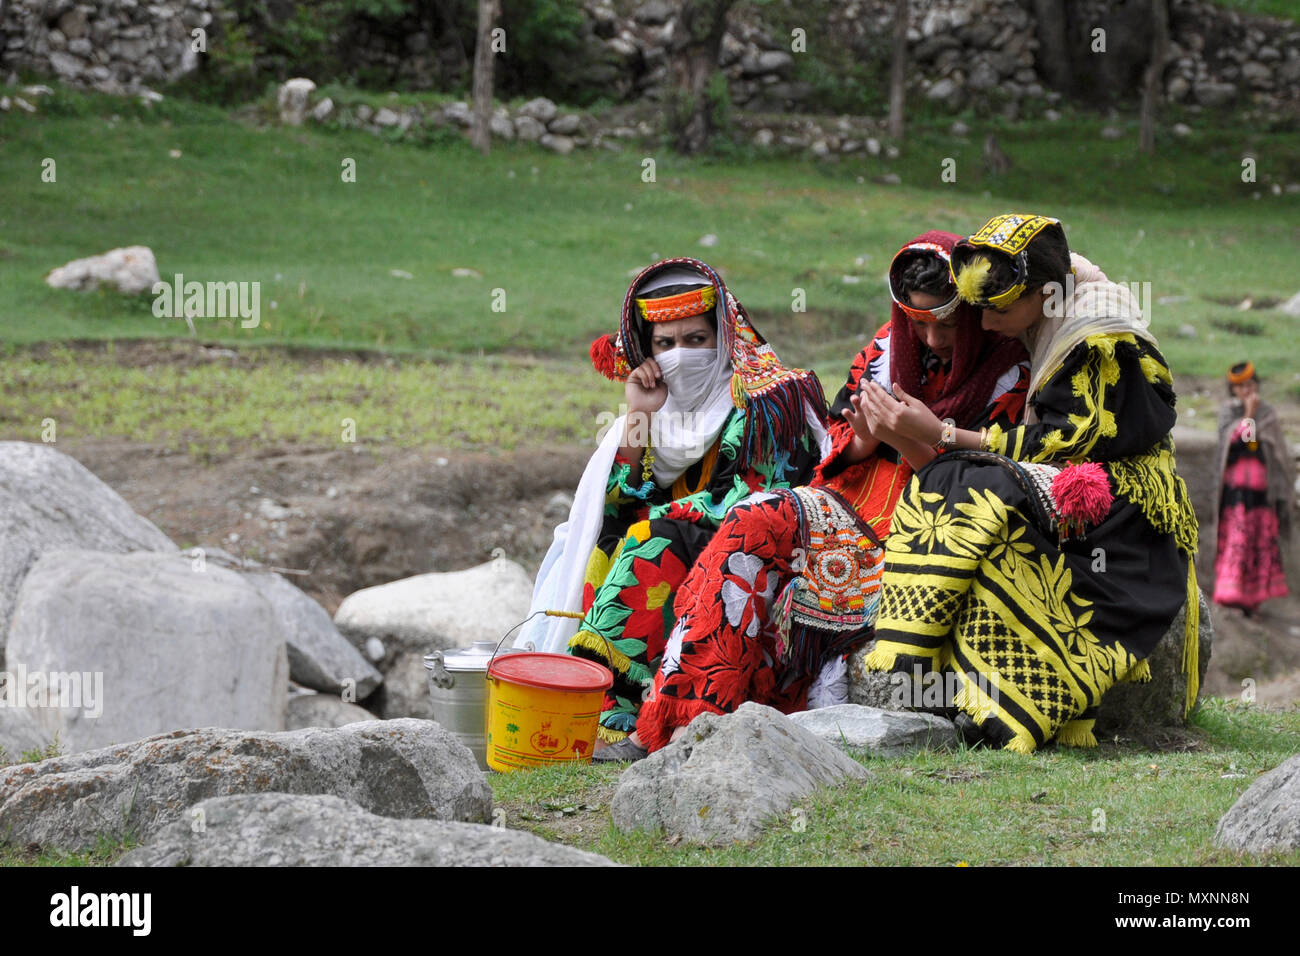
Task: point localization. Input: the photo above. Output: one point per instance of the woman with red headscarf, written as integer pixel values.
(787, 587)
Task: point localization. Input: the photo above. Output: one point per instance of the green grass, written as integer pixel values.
(210, 406)
(975, 807)
(970, 807)
(106, 852)
(559, 236)
(1281, 9)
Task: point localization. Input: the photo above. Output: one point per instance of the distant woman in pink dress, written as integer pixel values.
(1257, 489)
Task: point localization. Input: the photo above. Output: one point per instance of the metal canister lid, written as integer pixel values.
(476, 657)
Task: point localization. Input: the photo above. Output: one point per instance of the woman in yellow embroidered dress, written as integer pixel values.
(1036, 566)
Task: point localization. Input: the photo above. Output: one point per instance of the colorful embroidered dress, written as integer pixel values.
(791, 579)
(978, 582)
(1254, 508)
(650, 532)
(649, 543)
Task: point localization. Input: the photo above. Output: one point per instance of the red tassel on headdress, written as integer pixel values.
(604, 355)
(1082, 496)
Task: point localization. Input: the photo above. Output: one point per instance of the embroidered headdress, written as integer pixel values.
(1241, 373)
(1008, 234)
(777, 398)
(924, 245)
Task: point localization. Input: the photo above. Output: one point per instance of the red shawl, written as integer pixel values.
(979, 358)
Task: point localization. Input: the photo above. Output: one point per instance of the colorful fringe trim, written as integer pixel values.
(662, 715)
(776, 417)
(610, 736)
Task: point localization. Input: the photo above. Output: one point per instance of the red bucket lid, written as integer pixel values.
(552, 672)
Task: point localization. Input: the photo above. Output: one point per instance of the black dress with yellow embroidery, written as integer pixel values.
(978, 584)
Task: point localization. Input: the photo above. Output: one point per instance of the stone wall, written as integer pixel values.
(112, 46)
(962, 52)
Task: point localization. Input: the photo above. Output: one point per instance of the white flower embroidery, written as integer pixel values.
(737, 600)
(672, 661)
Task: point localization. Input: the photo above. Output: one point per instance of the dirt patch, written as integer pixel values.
(350, 518)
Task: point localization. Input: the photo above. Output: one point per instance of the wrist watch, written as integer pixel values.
(947, 436)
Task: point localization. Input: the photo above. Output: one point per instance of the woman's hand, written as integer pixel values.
(917, 454)
(865, 442)
(646, 390)
(905, 416)
(1250, 404)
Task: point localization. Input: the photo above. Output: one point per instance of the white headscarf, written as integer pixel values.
(1094, 306)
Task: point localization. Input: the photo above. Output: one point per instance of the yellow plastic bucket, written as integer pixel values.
(543, 709)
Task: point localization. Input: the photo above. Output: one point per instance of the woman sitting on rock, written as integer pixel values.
(788, 585)
(1038, 565)
(712, 417)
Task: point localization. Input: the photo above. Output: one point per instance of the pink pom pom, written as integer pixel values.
(1082, 494)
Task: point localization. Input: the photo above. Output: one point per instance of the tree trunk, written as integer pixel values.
(484, 59)
(1053, 47)
(1155, 74)
(898, 71)
(694, 49)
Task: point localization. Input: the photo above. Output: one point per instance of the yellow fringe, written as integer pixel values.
(881, 658)
(1139, 673)
(609, 736)
(972, 699)
(1192, 639)
(1021, 743)
(594, 642)
(884, 655)
(1077, 733)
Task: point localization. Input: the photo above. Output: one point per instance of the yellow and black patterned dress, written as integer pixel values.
(979, 584)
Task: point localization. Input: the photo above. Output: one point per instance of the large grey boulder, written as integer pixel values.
(150, 643)
(875, 688)
(725, 778)
(280, 829)
(293, 98)
(1267, 816)
(130, 269)
(1137, 709)
(540, 108)
(20, 733)
(319, 656)
(395, 768)
(529, 129)
(883, 732)
(1291, 306)
(323, 710)
(49, 500)
(435, 611)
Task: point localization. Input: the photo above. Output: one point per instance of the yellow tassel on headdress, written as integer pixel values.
(737, 390)
(972, 278)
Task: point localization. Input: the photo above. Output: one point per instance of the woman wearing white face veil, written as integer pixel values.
(712, 418)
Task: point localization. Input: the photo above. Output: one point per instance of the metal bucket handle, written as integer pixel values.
(608, 647)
